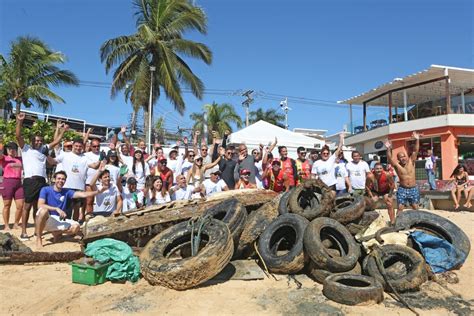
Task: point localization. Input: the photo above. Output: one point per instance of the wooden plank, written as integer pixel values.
(240, 270)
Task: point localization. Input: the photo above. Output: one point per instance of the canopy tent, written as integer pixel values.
(264, 133)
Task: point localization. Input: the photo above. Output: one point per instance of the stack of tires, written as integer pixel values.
(305, 230)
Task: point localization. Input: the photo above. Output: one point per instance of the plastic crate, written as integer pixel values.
(84, 273)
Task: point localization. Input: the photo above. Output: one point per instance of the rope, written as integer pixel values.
(378, 260)
(200, 222)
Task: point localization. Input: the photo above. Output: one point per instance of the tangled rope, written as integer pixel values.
(199, 222)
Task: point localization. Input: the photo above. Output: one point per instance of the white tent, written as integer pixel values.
(264, 133)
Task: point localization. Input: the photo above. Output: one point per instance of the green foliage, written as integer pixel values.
(220, 117)
(28, 73)
(45, 129)
(271, 116)
(158, 41)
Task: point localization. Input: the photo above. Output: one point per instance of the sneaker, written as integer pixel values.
(24, 237)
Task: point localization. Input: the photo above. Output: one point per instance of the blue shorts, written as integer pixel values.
(408, 196)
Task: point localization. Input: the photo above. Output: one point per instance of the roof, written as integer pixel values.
(263, 132)
(461, 79)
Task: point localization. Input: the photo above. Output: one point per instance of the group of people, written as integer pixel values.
(90, 181)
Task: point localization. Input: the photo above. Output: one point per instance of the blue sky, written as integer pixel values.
(319, 50)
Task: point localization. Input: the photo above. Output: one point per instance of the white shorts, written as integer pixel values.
(54, 223)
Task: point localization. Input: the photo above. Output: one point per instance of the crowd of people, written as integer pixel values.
(90, 181)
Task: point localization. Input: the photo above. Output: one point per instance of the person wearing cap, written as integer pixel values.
(131, 197)
(244, 182)
(173, 161)
(276, 178)
(214, 184)
(302, 165)
(162, 171)
(34, 157)
(11, 188)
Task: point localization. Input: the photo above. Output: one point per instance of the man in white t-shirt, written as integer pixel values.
(92, 156)
(131, 197)
(34, 158)
(109, 200)
(358, 171)
(341, 176)
(214, 184)
(324, 168)
(75, 164)
(183, 191)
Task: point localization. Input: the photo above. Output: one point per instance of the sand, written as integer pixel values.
(47, 289)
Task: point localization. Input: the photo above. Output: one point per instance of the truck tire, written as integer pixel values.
(390, 255)
(184, 272)
(311, 199)
(233, 213)
(319, 275)
(283, 207)
(287, 231)
(326, 228)
(351, 289)
(435, 225)
(348, 209)
(256, 223)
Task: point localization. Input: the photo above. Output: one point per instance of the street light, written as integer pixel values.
(285, 108)
(150, 115)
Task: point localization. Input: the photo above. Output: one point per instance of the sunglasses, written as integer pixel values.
(96, 146)
(325, 153)
(204, 149)
(191, 156)
(228, 153)
(163, 162)
(254, 153)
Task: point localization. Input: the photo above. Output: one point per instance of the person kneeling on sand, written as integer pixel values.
(52, 203)
(380, 185)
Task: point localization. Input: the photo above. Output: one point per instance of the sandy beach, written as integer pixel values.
(47, 289)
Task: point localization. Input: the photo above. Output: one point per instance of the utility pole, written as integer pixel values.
(150, 108)
(246, 104)
(285, 108)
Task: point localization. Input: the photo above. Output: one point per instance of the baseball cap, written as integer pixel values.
(275, 161)
(244, 171)
(112, 153)
(162, 158)
(217, 172)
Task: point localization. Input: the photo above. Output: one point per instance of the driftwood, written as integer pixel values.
(20, 257)
(137, 228)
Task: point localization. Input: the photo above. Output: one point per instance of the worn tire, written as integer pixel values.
(256, 223)
(348, 209)
(369, 204)
(184, 273)
(233, 213)
(288, 229)
(311, 199)
(283, 207)
(326, 228)
(362, 223)
(416, 273)
(351, 289)
(436, 225)
(319, 275)
(9, 242)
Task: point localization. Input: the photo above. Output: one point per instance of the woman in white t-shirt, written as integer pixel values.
(112, 164)
(157, 193)
(140, 169)
(324, 168)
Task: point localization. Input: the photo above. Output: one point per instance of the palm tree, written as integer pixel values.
(158, 42)
(217, 117)
(271, 116)
(29, 72)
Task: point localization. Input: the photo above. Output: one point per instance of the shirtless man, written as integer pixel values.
(408, 193)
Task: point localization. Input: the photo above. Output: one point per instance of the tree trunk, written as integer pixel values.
(145, 125)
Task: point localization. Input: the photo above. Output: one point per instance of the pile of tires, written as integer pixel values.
(306, 230)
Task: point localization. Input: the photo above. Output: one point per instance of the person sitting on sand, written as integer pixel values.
(52, 203)
(408, 193)
(460, 178)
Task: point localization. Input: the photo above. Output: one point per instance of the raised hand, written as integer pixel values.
(178, 143)
(241, 156)
(221, 151)
(416, 135)
(197, 133)
(341, 138)
(102, 165)
(59, 123)
(388, 144)
(214, 134)
(227, 133)
(185, 140)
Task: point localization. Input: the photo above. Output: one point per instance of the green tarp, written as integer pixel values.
(125, 264)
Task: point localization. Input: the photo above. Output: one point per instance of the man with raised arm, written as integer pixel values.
(34, 157)
(408, 193)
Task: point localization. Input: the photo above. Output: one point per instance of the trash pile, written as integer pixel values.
(338, 242)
